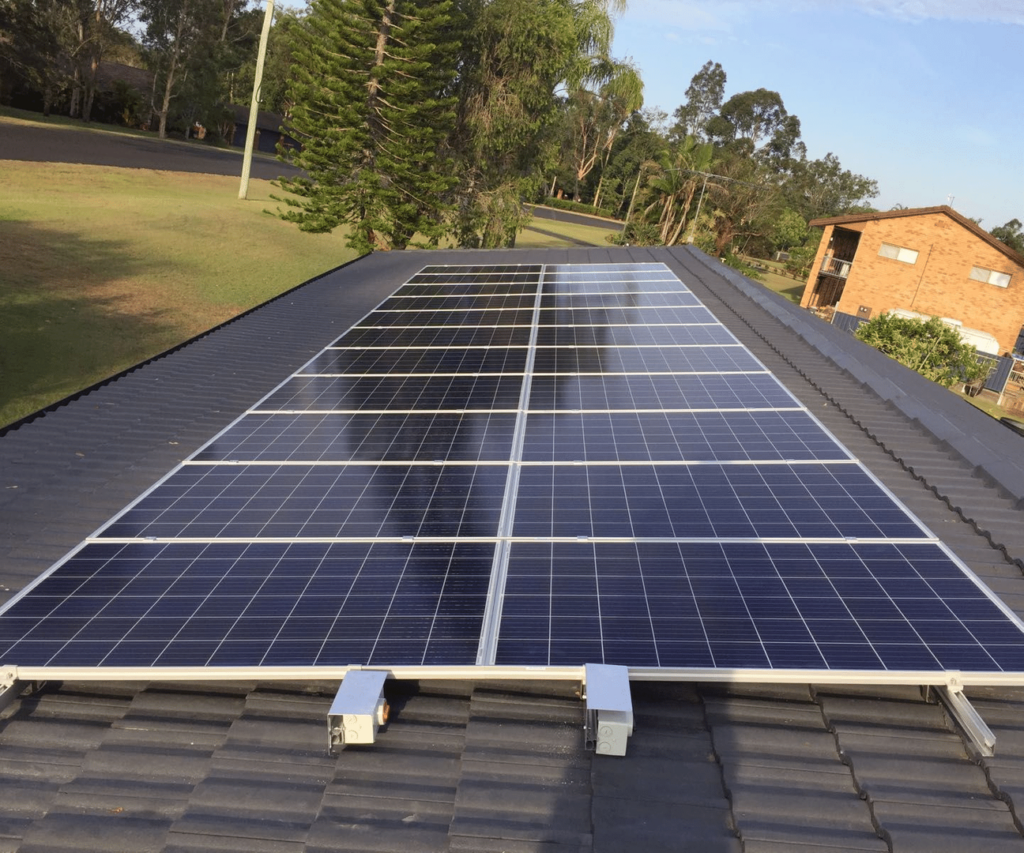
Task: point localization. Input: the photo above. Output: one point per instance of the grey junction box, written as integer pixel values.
(609, 718)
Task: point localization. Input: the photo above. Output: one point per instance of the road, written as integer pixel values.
(577, 218)
(54, 144)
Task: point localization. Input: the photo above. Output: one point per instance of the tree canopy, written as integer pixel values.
(371, 88)
(1010, 234)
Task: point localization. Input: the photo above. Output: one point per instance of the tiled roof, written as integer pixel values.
(959, 218)
(489, 767)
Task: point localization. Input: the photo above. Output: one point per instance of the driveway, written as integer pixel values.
(52, 144)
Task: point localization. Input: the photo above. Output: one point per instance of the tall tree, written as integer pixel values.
(94, 29)
(372, 107)
(516, 54)
(703, 101)
(595, 117)
(1010, 234)
(751, 121)
(675, 186)
(820, 188)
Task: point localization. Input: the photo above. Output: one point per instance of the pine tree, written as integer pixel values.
(371, 88)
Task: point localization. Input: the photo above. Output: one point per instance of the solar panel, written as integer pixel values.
(525, 466)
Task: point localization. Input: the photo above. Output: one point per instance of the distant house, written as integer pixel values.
(930, 261)
(268, 130)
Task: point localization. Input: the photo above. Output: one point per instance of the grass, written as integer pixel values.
(101, 268)
(531, 238)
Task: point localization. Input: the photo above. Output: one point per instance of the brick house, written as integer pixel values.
(928, 260)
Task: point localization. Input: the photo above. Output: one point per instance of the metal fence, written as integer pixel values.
(847, 322)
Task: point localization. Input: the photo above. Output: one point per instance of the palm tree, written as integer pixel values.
(682, 172)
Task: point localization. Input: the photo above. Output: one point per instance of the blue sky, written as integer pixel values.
(924, 96)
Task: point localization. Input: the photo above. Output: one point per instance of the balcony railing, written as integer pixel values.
(835, 266)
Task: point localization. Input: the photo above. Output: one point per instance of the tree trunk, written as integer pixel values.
(165, 107)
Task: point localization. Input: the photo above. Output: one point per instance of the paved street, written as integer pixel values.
(99, 148)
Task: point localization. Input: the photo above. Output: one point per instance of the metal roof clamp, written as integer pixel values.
(960, 708)
(10, 687)
(609, 714)
(359, 709)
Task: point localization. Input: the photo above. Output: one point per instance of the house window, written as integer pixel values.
(999, 279)
(898, 253)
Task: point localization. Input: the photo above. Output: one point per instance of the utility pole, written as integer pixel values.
(254, 107)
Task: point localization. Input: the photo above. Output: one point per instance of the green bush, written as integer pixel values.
(636, 234)
(931, 348)
(577, 207)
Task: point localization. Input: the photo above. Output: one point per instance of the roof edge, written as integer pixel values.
(959, 218)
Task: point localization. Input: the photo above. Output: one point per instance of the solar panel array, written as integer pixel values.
(526, 466)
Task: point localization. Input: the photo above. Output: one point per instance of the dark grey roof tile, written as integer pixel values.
(524, 778)
(103, 833)
(914, 828)
(187, 842)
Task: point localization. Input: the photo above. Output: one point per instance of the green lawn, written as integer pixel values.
(530, 238)
(101, 268)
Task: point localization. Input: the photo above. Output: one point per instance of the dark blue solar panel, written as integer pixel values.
(626, 336)
(624, 299)
(487, 336)
(338, 438)
(707, 391)
(352, 517)
(305, 604)
(750, 606)
(432, 287)
(677, 436)
(412, 300)
(587, 316)
(665, 359)
(324, 501)
(343, 393)
(399, 361)
(710, 501)
(448, 318)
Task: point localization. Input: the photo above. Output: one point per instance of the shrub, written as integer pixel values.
(931, 348)
(577, 207)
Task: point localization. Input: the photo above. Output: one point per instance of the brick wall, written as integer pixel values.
(939, 282)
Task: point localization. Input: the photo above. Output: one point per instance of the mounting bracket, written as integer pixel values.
(609, 713)
(10, 687)
(959, 706)
(359, 709)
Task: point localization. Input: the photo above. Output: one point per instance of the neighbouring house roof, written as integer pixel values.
(488, 767)
(139, 79)
(959, 218)
(265, 120)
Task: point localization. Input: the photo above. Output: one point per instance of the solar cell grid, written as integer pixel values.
(433, 287)
(448, 318)
(386, 362)
(613, 316)
(713, 501)
(453, 393)
(751, 605)
(247, 604)
(365, 501)
(487, 336)
(612, 392)
(612, 479)
(405, 301)
(672, 359)
(631, 298)
(431, 437)
(621, 336)
(678, 436)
